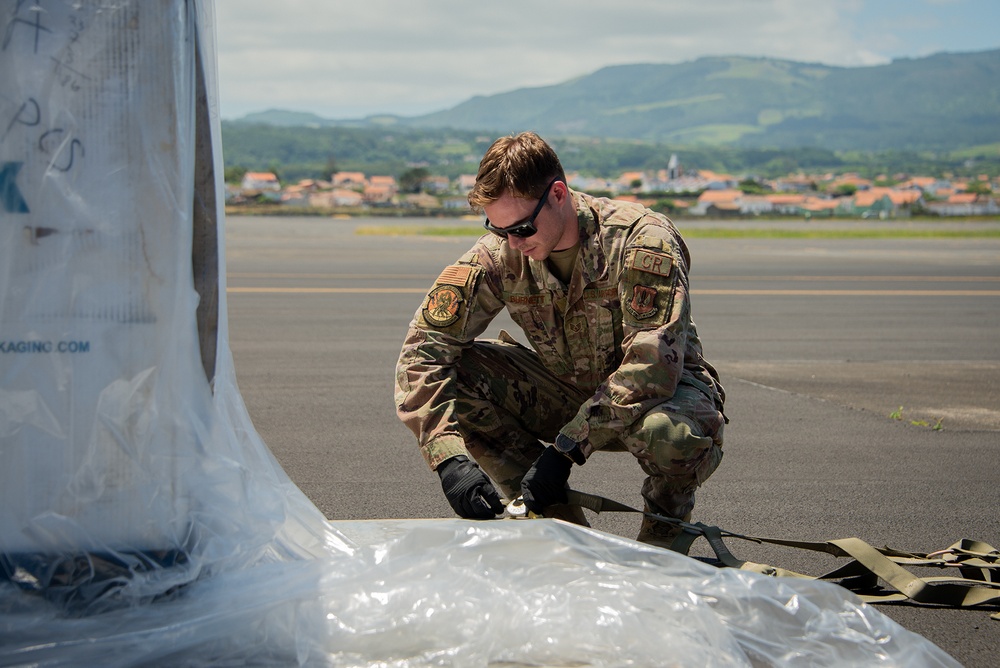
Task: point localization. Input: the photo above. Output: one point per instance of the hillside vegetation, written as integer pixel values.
(935, 114)
(942, 102)
(295, 153)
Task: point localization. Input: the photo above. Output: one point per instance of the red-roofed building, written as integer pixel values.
(719, 201)
(379, 193)
(349, 180)
(628, 178)
(255, 183)
(884, 202)
(466, 182)
(966, 204)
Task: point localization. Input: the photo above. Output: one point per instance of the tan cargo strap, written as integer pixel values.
(978, 562)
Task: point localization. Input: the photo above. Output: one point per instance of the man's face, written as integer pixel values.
(509, 211)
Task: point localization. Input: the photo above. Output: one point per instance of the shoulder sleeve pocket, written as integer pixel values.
(446, 307)
(647, 286)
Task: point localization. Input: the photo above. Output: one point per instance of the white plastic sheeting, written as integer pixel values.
(143, 521)
(463, 593)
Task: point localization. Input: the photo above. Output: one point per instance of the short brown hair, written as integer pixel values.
(522, 165)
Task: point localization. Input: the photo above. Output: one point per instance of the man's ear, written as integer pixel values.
(560, 190)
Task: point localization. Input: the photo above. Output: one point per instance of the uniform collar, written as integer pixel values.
(591, 265)
(592, 260)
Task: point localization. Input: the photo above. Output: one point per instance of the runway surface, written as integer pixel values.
(863, 382)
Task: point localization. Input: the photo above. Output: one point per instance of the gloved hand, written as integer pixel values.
(545, 482)
(468, 489)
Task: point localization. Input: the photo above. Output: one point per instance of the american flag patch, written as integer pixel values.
(456, 274)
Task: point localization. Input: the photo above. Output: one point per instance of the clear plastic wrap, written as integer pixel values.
(144, 522)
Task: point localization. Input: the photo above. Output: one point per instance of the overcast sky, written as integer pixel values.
(349, 59)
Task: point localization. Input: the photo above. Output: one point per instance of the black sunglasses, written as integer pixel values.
(525, 228)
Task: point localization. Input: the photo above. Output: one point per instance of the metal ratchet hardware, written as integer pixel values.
(518, 511)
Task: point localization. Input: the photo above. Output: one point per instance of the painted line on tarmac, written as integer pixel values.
(852, 293)
(848, 279)
(398, 277)
(711, 277)
(324, 291)
(696, 291)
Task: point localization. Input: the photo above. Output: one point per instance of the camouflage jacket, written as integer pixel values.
(621, 330)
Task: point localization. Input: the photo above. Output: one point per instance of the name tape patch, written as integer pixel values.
(526, 300)
(652, 262)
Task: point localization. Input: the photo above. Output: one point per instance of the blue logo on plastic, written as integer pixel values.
(10, 196)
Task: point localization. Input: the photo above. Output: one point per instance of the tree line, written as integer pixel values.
(296, 153)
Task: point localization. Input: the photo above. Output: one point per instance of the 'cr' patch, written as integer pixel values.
(444, 305)
(651, 262)
(643, 302)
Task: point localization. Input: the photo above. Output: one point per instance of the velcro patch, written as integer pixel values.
(593, 294)
(652, 262)
(643, 303)
(455, 274)
(527, 299)
(443, 306)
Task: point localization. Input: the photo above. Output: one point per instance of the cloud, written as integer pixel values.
(344, 60)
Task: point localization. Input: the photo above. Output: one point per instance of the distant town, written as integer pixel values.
(672, 191)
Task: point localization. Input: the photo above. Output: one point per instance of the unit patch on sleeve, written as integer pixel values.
(444, 305)
(642, 305)
(651, 262)
(447, 304)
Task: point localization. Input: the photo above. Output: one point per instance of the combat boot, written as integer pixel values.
(660, 534)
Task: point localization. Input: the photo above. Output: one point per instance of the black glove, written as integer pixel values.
(545, 482)
(469, 490)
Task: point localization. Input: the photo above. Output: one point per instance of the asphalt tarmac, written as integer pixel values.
(863, 383)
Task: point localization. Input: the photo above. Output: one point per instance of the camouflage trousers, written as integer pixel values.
(508, 402)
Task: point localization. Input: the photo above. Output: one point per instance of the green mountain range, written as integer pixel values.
(943, 102)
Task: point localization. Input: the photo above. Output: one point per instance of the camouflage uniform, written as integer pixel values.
(616, 361)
